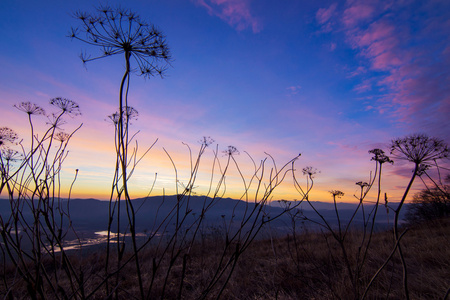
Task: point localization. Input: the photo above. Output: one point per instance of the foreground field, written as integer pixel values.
(308, 265)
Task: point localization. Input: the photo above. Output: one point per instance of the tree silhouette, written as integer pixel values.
(430, 204)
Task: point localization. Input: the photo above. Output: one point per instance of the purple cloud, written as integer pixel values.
(406, 49)
(235, 12)
(364, 86)
(293, 90)
(332, 46)
(357, 12)
(323, 15)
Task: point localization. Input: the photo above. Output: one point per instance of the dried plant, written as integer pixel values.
(339, 232)
(120, 31)
(419, 149)
(67, 106)
(179, 257)
(33, 233)
(30, 108)
(7, 136)
(422, 151)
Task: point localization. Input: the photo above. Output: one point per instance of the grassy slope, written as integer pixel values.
(308, 266)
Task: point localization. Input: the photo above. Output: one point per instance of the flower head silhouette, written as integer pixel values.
(55, 121)
(362, 184)
(10, 155)
(61, 136)
(380, 156)
(419, 149)
(67, 106)
(120, 31)
(129, 113)
(336, 193)
(230, 151)
(30, 108)
(310, 171)
(206, 141)
(7, 135)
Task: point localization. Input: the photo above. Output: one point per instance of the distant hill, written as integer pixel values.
(91, 215)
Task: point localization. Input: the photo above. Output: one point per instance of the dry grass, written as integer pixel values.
(307, 266)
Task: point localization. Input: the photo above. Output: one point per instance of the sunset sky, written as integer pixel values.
(327, 79)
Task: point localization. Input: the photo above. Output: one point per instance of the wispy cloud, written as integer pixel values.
(343, 146)
(363, 86)
(323, 15)
(293, 90)
(357, 12)
(332, 46)
(235, 12)
(359, 70)
(406, 50)
(326, 17)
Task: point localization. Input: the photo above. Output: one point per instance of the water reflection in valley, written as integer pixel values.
(99, 237)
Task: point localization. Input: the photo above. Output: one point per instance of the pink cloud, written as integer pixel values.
(235, 12)
(363, 87)
(293, 90)
(386, 60)
(380, 44)
(343, 146)
(405, 46)
(332, 46)
(359, 70)
(324, 14)
(357, 13)
(377, 31)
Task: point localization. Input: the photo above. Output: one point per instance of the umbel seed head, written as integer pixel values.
(121, 31)
(419, 149)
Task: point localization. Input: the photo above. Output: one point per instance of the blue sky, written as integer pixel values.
(328, 79)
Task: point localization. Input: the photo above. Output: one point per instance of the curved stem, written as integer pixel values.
(396, 235)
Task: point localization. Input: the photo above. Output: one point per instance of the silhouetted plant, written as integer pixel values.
(230, 151)
(7, 136)
(67, 106)
(30, 108)
(354, 261)
(61, 136)
(31, 179)
(419, 149)
(7, 155)
(422, 151)
(120, 31)
(310, 172)
(33, 234)
(380, 156)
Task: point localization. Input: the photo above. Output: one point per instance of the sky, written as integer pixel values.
(329, 80)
